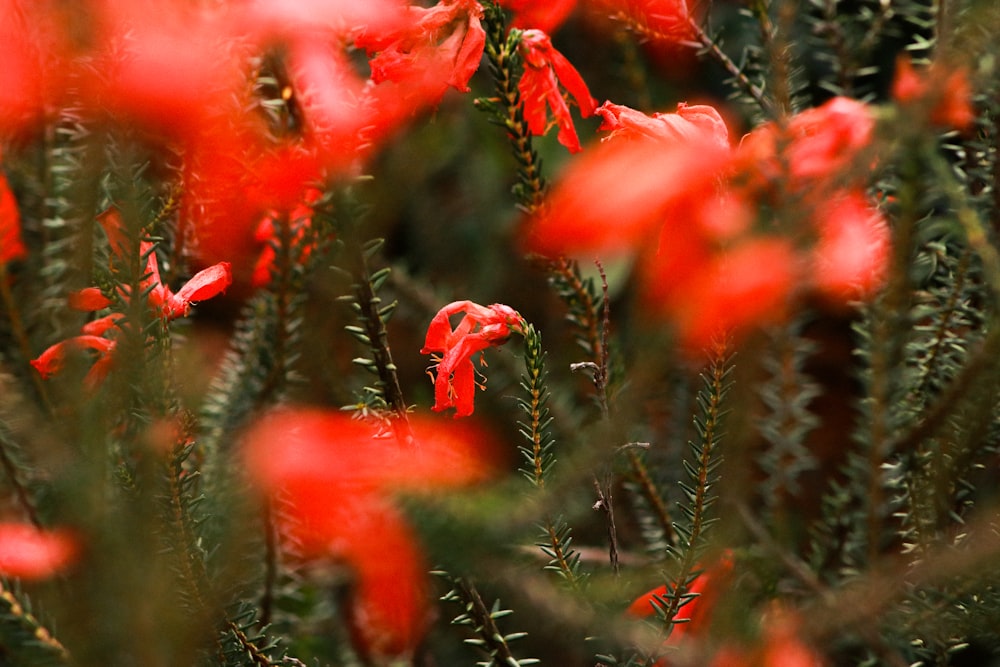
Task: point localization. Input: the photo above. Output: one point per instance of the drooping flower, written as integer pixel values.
(205, 284)
(29, 553)
(101, 335)
(748, 285)
(439, 46)
(52, 360)
(780, 645)
(545, 70)
(333, 478)
(11, 246)
(945, 93)
(481, 327)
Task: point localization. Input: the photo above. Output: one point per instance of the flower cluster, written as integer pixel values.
(100, 335)
(731, 249)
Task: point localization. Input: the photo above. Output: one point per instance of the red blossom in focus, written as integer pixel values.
(439, 46)
(693, 123)
(544, 15)
(481, 327)
(11, 246)
(334, 477)
(29, 553)
(545, 69)
(947, 93)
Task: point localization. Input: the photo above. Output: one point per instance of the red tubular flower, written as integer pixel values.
(88, 300)
(481, 327)
(34, 53)
(781, 646)
(696, 123)
(51, 361)
(333, 477)
(29, 553)
(715, 269)
(11, 246)
(440, 46)
(544, 70)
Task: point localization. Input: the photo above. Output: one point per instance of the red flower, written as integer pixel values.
(781, 646)
(852, 255)
(11, 246)
(51, 361)
(332, 477)
(945, 94)
(203, 285)
(480, 328)
(670, 182)
(545, 15)
(544, 70)
(694, 617)
(439, 46)
(101, 334)
(269, 233)
(34, 53)
(696, 123)
(29, 553)
(747, 286)
(661, 20)
(816, 145)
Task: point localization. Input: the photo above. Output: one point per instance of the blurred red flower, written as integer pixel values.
(694, 617)
(34, 51)
(11, 246)
(851, 257)
(945, 94)
(545, 69)
(27, 552)
(545, 15)
(480, 327)
(661, 20)
(707, 221)
(333, 477)
(819, 145)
